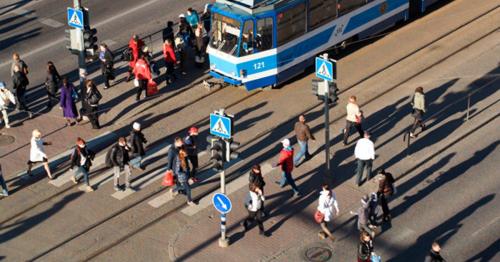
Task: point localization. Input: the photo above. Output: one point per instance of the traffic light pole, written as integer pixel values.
(82, 66)
(327, 125)
(223, 242)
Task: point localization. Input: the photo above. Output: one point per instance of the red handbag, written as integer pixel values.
(152, 88)
(318, 216)
(168, 179)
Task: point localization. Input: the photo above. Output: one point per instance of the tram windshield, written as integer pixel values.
(225, 34)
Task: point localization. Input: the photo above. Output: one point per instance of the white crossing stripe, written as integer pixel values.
(50, 22)
(231, 187)
(161, 200)
(66, 177)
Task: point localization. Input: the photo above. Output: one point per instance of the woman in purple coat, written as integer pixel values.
(67, 103)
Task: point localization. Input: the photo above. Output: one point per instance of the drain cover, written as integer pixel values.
(6, 140)
(318, 254)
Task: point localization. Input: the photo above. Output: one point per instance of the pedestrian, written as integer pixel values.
(149, 58)
(52, 82)
(363, 223)
(168, 32)
(326, 202)
(6, 98)
(286, 163)
(135, 45)
(385, 190)
(303, 134)
(120, 161)
(68, 102)
(17, 61)
(191, 145)
(185, 30)
(354, 118)
(434, 254)
(192, 18)
(91, 103)
(21, 82)
(37, 153)
(137, 141)
(173, 152)
(170, 61)
(106, 57)
(365, 154)
(82, 158)
(142, 73)
(200, 35)
(255, 178)
(181, 172)
(373, 203)
(365, 247)
(181, 49)
(5, 190)
(206, 18)
(254, 210)
(418, 104)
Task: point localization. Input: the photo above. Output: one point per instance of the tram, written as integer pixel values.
(261, 43)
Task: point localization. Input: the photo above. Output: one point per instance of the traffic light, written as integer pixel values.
(332, 93)
(217, 149)
(318, 88)
(90, 40)
(70, 36)
(231, 148)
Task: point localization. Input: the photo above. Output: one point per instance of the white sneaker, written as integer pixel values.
(89, 189)
(74, 180)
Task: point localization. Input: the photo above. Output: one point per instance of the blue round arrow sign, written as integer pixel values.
(222, 203)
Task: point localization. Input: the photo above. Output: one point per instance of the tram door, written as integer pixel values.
(415, 7)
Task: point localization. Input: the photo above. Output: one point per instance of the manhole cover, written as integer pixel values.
(6, 140)
(318, 254)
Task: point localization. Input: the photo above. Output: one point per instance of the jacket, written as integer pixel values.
(78, 153)
(52, 82)
(255, 202)
(365, 250)
(37, 152)
(142, 71)
(119, 156)
(256, 179)
(135, 47)
(385, 185)
(352, 112)
(6, 96)
(107, 62)
(172, 154)
(168, 33)
(418, 101)
(137, 140)
(302, 132)
(286, 159)
(20, 80)
(93, 97)
(193, 19)
(169, 53)
(181, 173)
(326, 204)
(434, 257)
(190, 145)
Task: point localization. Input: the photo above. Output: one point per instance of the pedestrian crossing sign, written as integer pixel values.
(325, 69)
(220, 126)
(75, 18)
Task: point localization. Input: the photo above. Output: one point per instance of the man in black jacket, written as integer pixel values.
(81, 158)
(106, 58)
(190, 143)
(20, 82)
(168, 32)
(434, 255)
(120, 161)
(136, 142)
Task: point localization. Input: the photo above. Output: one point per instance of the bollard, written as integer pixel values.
(468, 106)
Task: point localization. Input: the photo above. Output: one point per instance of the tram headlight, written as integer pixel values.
(243, 73)
(233, 73)
(212, 66)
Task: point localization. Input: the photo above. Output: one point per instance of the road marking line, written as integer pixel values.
(66, 177)
(110, 42)
(161, 200)
(50, 22)
(232, 187)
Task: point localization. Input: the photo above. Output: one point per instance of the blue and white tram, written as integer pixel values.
(259, 43)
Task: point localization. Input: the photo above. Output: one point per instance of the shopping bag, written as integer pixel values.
(152, 88)
(168, 179)
(318, 216)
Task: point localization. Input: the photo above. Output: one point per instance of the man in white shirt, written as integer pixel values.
(365, 154)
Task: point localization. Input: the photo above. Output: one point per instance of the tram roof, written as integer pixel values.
(250, 6)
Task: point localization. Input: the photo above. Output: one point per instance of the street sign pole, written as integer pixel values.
(82, 66)
(327, 125)
(223, 240)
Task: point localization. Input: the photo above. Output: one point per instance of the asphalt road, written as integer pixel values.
(441, 194)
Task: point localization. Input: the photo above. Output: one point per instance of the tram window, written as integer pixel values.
(321, 12)
(225, 33)
(264, 38)
(247, 39)
(345, 6)
(291, 24)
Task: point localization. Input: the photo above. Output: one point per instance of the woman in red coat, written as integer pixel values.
(142, 73)
(170, 61)
(135, 46)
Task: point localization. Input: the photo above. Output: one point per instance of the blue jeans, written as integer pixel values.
(302, 152)
(136, 162)
(185, 187)
(82, 171)
(361, 166)
(286, 178)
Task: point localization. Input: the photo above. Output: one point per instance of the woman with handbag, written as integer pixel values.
(354, 118)
(52, 81)
(385, 190)
(181, 170)
(82, 158)
(67, 103)
(324, 213)
(37, 153)
(254, 209)
(91, 103)
(418, 104)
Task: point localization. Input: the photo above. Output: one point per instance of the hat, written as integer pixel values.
(285, 142)
(2, 85)
(182, 16)
(192, 130)
(136, 126)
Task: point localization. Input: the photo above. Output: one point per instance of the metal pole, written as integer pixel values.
(468, 107)
(82, 66)
(327, 125)
(223, 240)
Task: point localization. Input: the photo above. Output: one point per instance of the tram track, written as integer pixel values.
(206, 192)
(230, 177)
